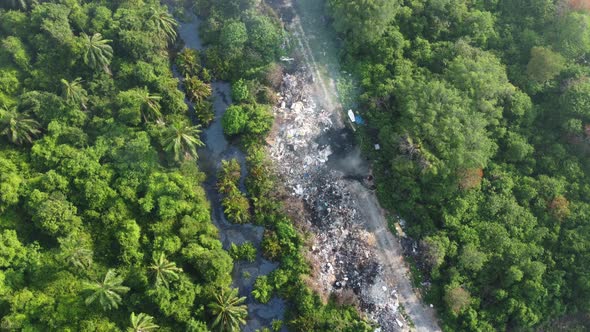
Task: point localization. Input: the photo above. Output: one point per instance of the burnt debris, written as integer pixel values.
(316, 160)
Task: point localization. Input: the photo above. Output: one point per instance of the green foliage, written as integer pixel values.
(13, 252)
(108, 292)
(164, 270)
(245, 251)
(76, 250)
(97, 52)
(576, 100)
(480, 109)
(236, 205)
(271, 246)
(196, 89)
(262, 290)
(571, 35)
(544, 64)
(228, 310)
(74, 93)
(10, 181)
(264, 37)
(141, 323)
(247, 118)
(205, 112)
(17, 127)
(163, 21)
(362, 22)
(233, 37)
(260, 119)
(188, 62)
(137, 104)
(89, 104)
(177, 301)
(242, 35)
(239, 91)
(183, 140)
(53, 213)
(15, 47)
(234, 120)
(517, 148)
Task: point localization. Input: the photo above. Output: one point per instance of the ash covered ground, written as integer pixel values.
(315, 158)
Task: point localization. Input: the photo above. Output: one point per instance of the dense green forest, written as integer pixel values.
(104, 225)
(482, 110)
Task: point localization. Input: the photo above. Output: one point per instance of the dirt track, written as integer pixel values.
(422, 317)
(389, 250)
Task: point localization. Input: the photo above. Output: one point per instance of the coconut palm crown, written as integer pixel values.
(97, 51)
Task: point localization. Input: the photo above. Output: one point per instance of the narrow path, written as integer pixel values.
(328, 99)
(390, 252)
(388, 247)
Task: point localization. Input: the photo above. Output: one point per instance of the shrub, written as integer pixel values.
(267, 95)
(271, 248)
(260, 119)
(236, 205)
(239, 91)
(262, 290)
(245, 252)
(205, 113)
(234, 120)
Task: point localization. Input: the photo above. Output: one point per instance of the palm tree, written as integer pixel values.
(108, 292)
(76, 252)
(164, 270)
(183, 140)
(231, 169)
(17, 126)
(164, 22)
(228, 176)
(229, 311)
(188, 62)
(196, 89)
(236, 206)
(74, 93)
(142, 323)
(97, 52)
(151, 106)
(205, 113)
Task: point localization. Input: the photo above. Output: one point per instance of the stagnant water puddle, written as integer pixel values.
(216, 149)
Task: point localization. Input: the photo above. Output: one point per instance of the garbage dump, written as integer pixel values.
(343, 253)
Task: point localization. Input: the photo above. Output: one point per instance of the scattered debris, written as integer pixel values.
(351, 116)
(343, 253)
(400, 324)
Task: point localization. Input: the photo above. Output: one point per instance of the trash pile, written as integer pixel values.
(343, 251)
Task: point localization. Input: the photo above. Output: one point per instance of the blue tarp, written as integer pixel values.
(359, 120)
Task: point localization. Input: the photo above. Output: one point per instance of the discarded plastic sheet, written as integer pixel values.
(351, 116)
(359, 119)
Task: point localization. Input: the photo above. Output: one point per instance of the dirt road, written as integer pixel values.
(388, 249)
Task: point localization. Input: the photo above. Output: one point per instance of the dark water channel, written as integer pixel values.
(216, 149)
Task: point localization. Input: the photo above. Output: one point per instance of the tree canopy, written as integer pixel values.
(480, 109)
(103, 225)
